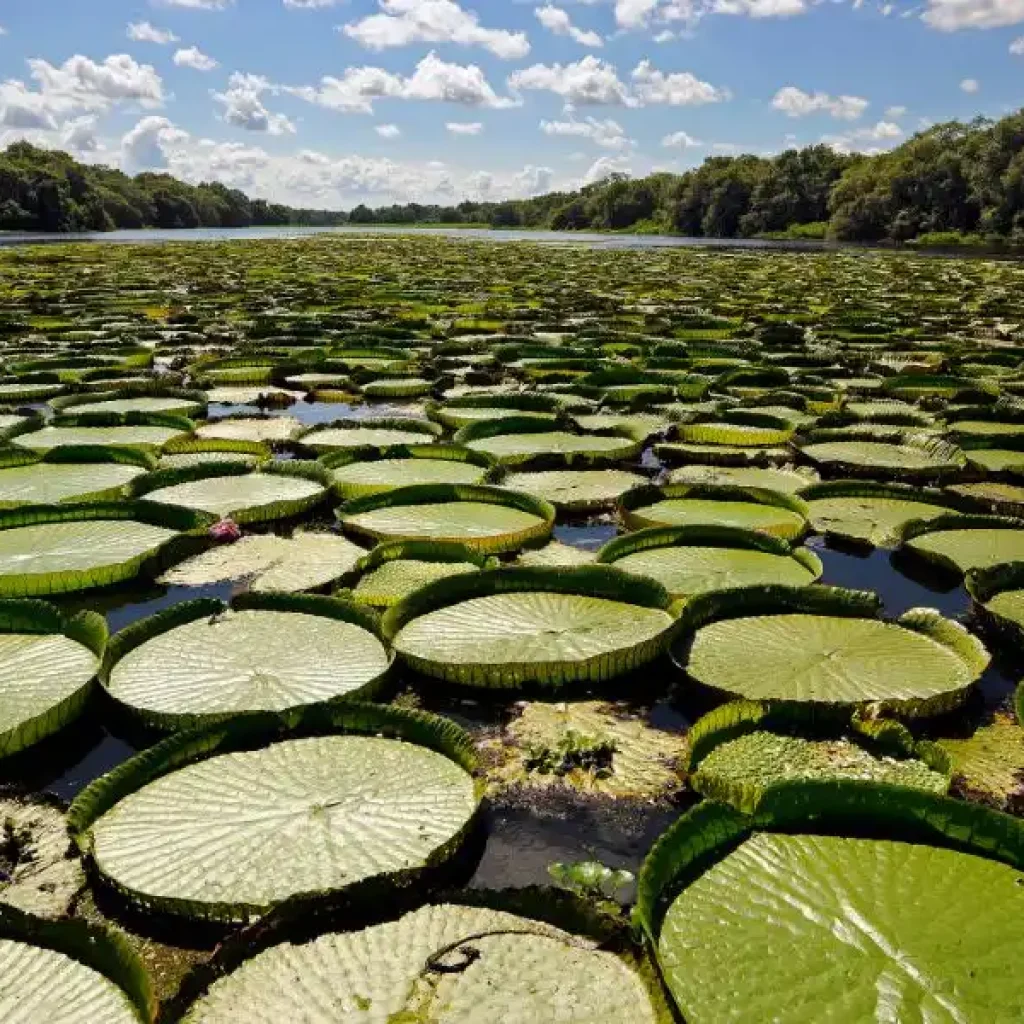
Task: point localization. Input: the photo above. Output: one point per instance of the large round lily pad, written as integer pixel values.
(45, 673)
(250, 428)
(979, 543)
(692, 560)
(406, 467)
(247, 497)
(827, 659)
(511, 627)
(484, 518)
(917, 458)
(237, 832)
(46, 483)
(788, 481)
(47, 549)
(792, 928)
(199, 662)
(519, 970)
(39, 985)
(576, 490)
(141, 436)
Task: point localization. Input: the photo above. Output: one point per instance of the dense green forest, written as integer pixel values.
(953, 182)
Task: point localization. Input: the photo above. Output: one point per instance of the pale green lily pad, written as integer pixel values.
(252, 828)
(334, 438)
(576, 490)
(39, 985)
(374, 476)
(826, 659)
(250, 395)
(779, 522)
(514, 449)
(786, 481)
(256, 428)
(33, 559)
(58, 437)
(971, 549)
(875, 521)
(794, 928)
(507, 639)
(267, 562)
(476, 523)
(996, 460)
(143, 403)
(686, 570)
(556, 553)
(880, 455)
(186, 459)
(521, 970)
(40, 673)
(48, 483)
(248, 660)
(247, 494)
(391, 582)
(988, 766)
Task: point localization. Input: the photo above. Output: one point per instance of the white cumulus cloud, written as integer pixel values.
(401, 22)
(606, 133)
(464, 127)
(144, 32)
(970, 86)
(953, 15)
(604, 166)
(680, 140)
(388, 131)
(795, 102)
(244, 107)
(194, 58)
(557, 20)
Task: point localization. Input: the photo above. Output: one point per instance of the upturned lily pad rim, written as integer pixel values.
(435, 494)
(101, 949)
(138, 633)
(853, 808)
(985, 584)
(600, 581)
(641, 497)
(949, 457)
(88, 628)
(425, 551)
(12, 458)
(66, 404)
(302, 919)
(170, 517)
(125, 419)
(943, 524)
(307, 437)
(282, 508)
(511, 425)
(778, 599)
(441, 450)
(254, 731)
(707, 536)
(194, 446)
(879, 736)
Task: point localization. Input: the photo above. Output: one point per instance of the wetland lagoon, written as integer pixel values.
(404, 628)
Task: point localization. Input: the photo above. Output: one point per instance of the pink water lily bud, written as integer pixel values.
(226, 531)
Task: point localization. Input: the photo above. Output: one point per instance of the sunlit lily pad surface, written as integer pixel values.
(407, 629)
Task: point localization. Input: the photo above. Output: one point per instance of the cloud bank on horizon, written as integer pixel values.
(332, 103)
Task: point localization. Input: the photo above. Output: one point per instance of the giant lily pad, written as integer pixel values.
(825, 909)
(277, 491)
(918, 457)
(690, 560)
(787, 480)
(576, 490)
(512, 627)
(226, 823)
(520, 441)
(519, 970)
(780, 515)
(52, 549)
(68, 972)
(47, 664)
(357, 473)
(141, 436)
(874, 513)
(250, 428)
(967, 542)
(68, 474)
(203, 660)
(484, 518)
(304, 561)
(828, 647)
(369, 433)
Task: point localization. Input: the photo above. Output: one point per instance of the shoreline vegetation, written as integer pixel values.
(954, 186)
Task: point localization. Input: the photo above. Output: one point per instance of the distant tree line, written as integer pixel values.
(952, 182)
(45, 190)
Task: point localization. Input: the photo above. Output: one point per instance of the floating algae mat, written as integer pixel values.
(308, 546)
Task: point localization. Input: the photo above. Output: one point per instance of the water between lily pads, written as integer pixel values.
(526, 831)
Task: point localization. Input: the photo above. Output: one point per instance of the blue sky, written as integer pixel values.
(335, 102)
